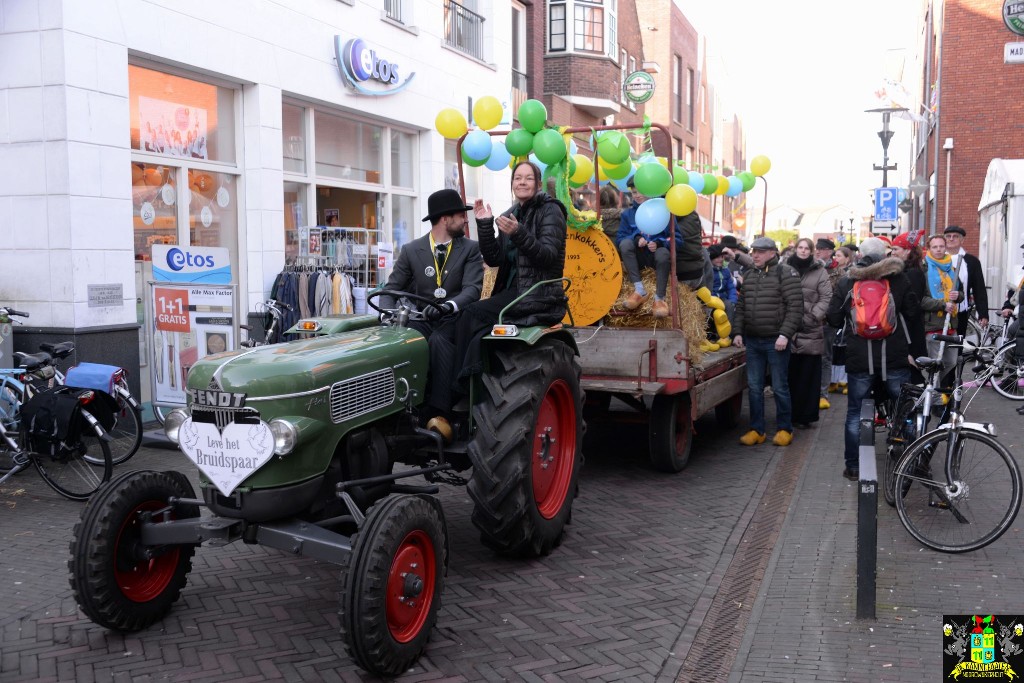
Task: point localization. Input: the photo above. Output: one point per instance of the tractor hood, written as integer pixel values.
(309, 364)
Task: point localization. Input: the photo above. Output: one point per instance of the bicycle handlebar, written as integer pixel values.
(11, 311)
(274, 303)
(949, 338)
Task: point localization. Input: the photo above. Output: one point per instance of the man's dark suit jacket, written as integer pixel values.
(462, 276)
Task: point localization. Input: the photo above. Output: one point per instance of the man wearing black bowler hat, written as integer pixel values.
(442, 266)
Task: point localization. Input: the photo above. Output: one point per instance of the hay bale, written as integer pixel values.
(692, 318)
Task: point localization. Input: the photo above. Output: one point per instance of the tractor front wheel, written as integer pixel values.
(118, 582)
(393, 583)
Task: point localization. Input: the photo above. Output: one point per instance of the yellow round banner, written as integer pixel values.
(592, 263)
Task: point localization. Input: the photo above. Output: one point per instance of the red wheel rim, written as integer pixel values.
(410, 591)
(553, 449)
(140, 579)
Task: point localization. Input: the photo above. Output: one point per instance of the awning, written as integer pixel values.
(1002, 172)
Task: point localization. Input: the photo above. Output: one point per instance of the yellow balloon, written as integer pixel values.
(601, 175)
(723, 184)
(760, 165)
(663, 161)
(451, 123)
(487, 112)
(681, 200)
(584, 169)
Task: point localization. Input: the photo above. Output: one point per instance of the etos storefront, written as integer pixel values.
(280, 144)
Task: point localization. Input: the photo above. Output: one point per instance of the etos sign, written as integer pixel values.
(359, 64)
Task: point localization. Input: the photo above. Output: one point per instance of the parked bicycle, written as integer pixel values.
(956, 487)
(58, 430)
(273, 311)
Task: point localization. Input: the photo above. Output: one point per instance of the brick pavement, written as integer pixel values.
(640, 577)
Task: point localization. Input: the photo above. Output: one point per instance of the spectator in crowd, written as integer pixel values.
(889, 359)
(723, 284)
(768, 315)
(809, 343)
(905, 247)
(843, 258)
(693, 265)
(639, 251)
(824, 248)
(972, 279)
(940, 299)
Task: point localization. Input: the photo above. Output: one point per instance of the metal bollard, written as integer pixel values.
(867, 514)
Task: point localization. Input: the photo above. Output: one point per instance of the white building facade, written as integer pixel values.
(231, 124)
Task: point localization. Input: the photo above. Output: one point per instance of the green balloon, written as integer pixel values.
(748, 179)
(472, 162)
(710, 184)
(519, 142)
(621, 171)
(572, 166)
(680, 176)
(532, 115)
(549, 146)
(652, 180)
(613, 147)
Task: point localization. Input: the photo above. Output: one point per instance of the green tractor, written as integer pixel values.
(311, 446)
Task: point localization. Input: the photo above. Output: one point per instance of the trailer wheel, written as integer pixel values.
(727, 414)
(527, 449)
(118, 582)
(393, 583)
(671, 432)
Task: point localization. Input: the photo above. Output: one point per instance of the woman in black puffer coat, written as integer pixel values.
(529, 247)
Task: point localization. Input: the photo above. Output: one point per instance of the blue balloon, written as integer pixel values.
(652, 216)
(572, 148)
(477, 145)
(696, 181)
(735, 186)
(499, 158)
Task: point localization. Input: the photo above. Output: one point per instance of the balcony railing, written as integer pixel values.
(463, 29)
(393, 10)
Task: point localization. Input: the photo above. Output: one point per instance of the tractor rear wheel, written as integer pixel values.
(527, 450)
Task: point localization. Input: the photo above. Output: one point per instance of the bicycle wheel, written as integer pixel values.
(975, 335)
(125, 435)
(975, 509)
(10, 402)
(68, 472)
(902, 432)
(1010, 382)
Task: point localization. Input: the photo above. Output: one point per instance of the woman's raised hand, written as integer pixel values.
(481, 210)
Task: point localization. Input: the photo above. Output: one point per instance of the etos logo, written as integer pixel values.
(363, 64)
(178, 259)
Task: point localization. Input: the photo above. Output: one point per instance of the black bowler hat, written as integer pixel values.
(955, 228)
(825, 243)
(444, 203)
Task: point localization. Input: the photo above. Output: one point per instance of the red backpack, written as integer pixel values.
(872, 309)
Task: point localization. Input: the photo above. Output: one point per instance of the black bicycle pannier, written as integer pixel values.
(52, 417)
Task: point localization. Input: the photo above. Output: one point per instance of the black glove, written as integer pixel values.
(439, 310)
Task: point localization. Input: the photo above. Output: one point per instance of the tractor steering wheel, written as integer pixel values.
(413, 315)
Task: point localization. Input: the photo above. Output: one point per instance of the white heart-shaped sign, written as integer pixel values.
(226, 457)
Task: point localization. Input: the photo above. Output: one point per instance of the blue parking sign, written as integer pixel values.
(886, 204)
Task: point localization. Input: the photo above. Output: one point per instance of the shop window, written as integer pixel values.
(154, 211)
(347, 149)
(293, 133)
(404, 221)
(213, 210)
(403, 159)
(180, 117)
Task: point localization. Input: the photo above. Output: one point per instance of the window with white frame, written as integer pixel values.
(623, 61)
(519, 67)
(677, 88)
(632, 68)
(593, 23)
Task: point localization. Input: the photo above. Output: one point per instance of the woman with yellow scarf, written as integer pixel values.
(940, 299)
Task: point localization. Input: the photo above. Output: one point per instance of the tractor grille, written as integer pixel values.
(222, 417)
(361, 395)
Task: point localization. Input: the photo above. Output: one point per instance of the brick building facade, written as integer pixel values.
(979, 107)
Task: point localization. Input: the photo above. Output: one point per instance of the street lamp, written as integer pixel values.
(885, 135)
(851, 228)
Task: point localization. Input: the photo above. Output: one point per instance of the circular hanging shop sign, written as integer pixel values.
(638, 86)
(1013, 16)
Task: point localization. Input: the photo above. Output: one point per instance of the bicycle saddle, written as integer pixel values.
(33, 361)
(60, 350)
(926, 363)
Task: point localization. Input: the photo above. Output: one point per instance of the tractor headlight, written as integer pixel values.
(285, 436)
(172, 423)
